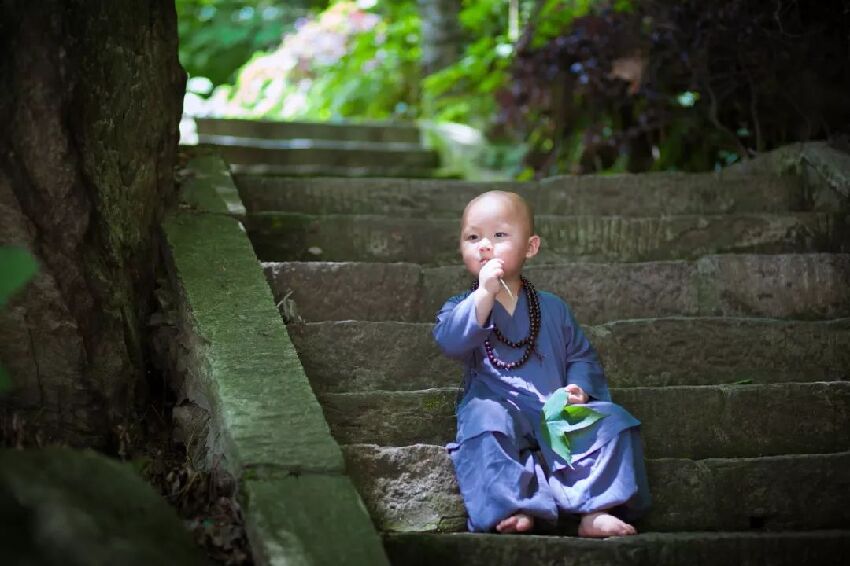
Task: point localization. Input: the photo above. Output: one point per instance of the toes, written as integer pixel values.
(524, 523)
(507, 525)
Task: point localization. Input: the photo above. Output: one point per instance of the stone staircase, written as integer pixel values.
(719, 304)
(313, 148)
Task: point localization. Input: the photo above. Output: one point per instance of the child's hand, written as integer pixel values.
(576, 395)
(488, 277)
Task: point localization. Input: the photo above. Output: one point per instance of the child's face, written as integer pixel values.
(495, 227)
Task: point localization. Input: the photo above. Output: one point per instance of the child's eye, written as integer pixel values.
(471, 238)
(501, 234)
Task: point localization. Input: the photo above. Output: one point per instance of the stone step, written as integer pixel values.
(711, 421)
(392, 148)
(351, 154)
(647, 194)
(277, 130)
(823, 548)
(326, 158)
(323, 169)
(352, 356)
(290, 236)
(413, 488)
(798, 286)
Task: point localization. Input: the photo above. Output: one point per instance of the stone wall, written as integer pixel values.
(90, 109)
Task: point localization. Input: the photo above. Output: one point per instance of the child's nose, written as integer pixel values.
(485, 246)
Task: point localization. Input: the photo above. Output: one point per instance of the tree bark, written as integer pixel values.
(90, 109)
(442, 37)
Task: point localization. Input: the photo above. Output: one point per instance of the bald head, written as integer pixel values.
(514, 205)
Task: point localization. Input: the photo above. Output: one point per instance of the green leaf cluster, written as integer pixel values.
(345, 62)
(464, 92)
(378, 78)
(218, 36)
(17, 267)
(560, 420)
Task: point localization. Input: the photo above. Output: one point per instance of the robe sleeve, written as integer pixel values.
(583, 366)
(457, 331)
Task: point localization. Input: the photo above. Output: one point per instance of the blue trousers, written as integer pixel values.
(500, 476)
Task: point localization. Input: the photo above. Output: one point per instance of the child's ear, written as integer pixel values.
(533, 246)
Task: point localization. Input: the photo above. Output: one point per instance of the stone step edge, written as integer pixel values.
(388, 239)
(712, 459)
(633, 353)
(614, 390)
(381, 474)
(297, 144)
(720, 425)
(636, 538)
(372, 124)
(666, 193)
(706, 286)
(554, 217)
(319, 169)
(698, 548)
(730, 319)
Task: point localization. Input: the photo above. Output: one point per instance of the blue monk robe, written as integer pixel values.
(502, 467)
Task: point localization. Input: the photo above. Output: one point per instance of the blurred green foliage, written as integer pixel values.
(343, 62)
(219, 36)
(578, 86)
(378, 77)
(463, 92)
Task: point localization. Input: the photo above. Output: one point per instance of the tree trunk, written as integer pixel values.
(90, 106)
(442, 37)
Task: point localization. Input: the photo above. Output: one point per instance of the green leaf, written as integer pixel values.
(17, 267)
(559, 421)
(554, 406)
(560, 444)
(578, 417)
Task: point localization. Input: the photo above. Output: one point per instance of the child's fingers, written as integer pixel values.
(576, 394)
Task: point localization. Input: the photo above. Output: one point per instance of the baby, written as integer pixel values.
(517, 349)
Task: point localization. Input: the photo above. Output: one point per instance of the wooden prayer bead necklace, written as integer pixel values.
(533, 330)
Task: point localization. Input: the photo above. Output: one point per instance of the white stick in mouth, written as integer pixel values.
(505, 285)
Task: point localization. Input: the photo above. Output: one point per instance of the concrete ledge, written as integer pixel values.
(207, 186)
(252, 371)
(310, 520)
(239, 368)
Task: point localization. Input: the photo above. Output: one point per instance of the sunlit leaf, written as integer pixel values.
(578, 417)
(554, 406)
(560, 420)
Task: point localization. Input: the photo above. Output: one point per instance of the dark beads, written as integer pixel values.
(533, 330)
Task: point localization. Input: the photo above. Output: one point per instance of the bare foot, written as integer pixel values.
(602, 525)
(518, 523)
